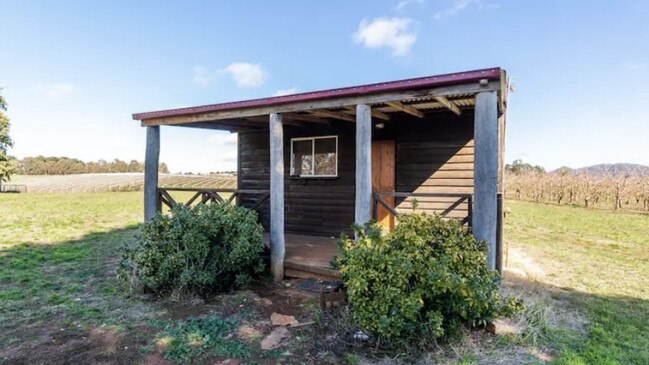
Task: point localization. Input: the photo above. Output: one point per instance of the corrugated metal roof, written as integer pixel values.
(399, 85)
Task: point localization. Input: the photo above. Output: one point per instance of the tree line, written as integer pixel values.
(7, 164)
(41, 165)
(627, 190)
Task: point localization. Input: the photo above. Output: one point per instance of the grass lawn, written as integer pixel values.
(61, 303)
(56, 262)
(597, 262)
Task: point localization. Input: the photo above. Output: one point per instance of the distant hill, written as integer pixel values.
(614, 168)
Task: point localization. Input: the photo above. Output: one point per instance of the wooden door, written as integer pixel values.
(383, 178)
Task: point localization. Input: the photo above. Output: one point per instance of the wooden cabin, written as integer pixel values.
(313, 164)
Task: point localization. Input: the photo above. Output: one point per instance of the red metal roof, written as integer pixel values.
(399, 85)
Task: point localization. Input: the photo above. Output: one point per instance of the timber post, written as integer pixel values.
(363, 203)
(277, 249)
(485, 180)
(151, 160)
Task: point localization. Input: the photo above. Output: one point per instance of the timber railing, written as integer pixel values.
(206, 196)
(455, 202)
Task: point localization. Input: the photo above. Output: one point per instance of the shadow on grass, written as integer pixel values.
(61, 302)
(586, 328)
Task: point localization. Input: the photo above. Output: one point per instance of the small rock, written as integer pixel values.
(282, 320)
(274, 339)
(503, 326)
(360, 336)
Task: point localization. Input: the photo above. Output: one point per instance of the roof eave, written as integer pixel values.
(361, 90)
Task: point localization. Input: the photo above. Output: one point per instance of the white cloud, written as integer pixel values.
(456, 7)
(635, 66)
(56, 91)
(393, 33)
(282, 92)
(402, 4)
(246, 74)
(203, 76)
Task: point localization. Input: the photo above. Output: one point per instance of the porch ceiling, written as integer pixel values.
(416, 97)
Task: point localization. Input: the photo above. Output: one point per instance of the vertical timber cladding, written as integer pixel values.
(434, 155)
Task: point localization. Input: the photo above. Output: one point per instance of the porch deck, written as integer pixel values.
(308, 256)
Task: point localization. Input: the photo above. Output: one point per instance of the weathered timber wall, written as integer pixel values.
(434, 154)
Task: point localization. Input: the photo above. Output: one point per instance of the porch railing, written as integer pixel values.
(206, 196)
(455, 202)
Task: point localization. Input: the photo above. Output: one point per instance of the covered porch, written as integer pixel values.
(308, 256)
(313, 164)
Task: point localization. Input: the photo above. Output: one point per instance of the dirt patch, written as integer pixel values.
(248, 332)
(61, 342)
(284, 299)
(64, 344)
(521, 264)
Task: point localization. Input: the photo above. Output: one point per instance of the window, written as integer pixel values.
(314, 156)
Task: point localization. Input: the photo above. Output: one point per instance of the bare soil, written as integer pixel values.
(57, 341)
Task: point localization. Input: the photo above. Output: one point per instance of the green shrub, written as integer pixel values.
(420, 282)
(194, 251)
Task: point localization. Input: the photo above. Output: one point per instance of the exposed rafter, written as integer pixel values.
(431, 104)
(405, 108)
(375, 113)
(331, 114)
(449, 104)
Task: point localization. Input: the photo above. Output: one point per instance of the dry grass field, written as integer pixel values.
(92, 183)
(582, 274)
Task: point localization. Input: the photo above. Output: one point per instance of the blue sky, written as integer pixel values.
(73, 72)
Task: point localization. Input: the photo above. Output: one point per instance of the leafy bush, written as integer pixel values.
(420, 282)
(194, 251)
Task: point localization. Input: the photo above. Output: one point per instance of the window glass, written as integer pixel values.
(302, 157)
(314, 156)
(325, 156)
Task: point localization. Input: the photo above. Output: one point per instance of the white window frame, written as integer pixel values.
(312, 139)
